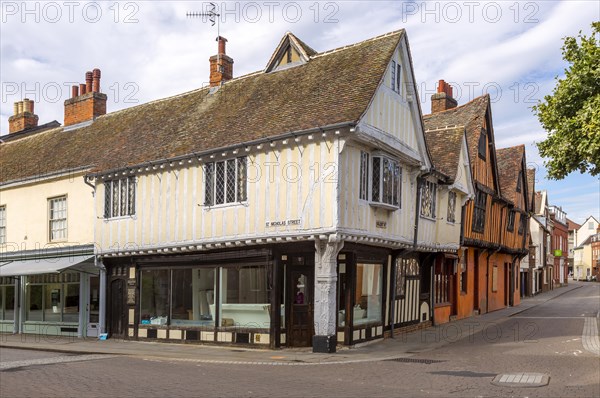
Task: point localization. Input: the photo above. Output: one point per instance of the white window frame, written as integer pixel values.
(363, 189)
(451, 216)
(393, 199)
(119, 203)
(57, 219)
(239, 179)
(427, 187)
(2, 224)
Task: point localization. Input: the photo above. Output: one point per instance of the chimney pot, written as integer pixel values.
(221, 65)
(222, 42)
(442, 100)
(82, 108)
(96, 80)
(24, 118)
(89, 77)
(74, 91)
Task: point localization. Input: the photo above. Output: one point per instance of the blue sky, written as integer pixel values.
(150, 50)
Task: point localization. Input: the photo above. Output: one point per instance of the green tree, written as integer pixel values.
(571, 115)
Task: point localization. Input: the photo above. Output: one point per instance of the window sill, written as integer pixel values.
(385, 206)
(427, 217)
(451, 222)
(225, 205)
(120, 218)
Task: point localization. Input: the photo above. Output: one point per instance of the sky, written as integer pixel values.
(149, 50)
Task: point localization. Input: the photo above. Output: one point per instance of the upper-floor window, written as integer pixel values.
(451, 217)
(119, 197)
(364, 176)
(428, 199)
(482, 145)
(510, 226)
(479, 211)
(522, 222)
(57, 218)
(225, 181)
(2, 224)
(396, 76)
(591, 225)
(385, 181)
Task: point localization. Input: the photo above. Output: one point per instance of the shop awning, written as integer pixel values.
(46, 265)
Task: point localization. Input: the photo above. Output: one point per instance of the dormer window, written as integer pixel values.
(482, 142)
(396, 76)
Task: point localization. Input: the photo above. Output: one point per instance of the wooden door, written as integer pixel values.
(117, 320)
(300, 287)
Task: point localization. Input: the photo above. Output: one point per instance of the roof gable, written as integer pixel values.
(290, 51)
(511, 166)
(445, 148)
(475, 115)
(245, 109)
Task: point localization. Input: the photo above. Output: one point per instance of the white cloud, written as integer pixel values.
(150, 50)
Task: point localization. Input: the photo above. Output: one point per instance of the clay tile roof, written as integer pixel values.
(444, 147)
(510, 161)
(471, 115)
(334, 87)
(572, 225)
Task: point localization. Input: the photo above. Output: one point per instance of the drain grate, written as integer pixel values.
(415, 360)
(521, 380)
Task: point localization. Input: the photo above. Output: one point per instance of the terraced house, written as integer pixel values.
(495, 222)
(49, 282)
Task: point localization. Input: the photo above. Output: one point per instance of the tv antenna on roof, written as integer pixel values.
(211, 14)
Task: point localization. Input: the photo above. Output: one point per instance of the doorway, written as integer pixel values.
(117, 323)
(300, 288)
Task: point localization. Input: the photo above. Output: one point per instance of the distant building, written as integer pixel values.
(572, 227)
(559, 245)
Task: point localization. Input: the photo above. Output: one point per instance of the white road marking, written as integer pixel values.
(51, 361)
(589, 336)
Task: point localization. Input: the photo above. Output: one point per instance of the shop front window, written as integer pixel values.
(368, 297)
(52, 302)
(245, 297)
(192, 297)
(7, 302)
(53, 297)
(154, 301)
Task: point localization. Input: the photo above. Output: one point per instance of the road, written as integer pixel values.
(557, 339)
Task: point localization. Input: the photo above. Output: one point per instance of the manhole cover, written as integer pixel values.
(521, 380)
(415, 360)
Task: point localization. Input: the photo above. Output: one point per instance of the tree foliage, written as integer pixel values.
(571, 115)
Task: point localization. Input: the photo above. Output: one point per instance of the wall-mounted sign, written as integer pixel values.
(557, 253)
(381, 224)
(282, 223)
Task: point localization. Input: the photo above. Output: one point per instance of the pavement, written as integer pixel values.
(414, 344)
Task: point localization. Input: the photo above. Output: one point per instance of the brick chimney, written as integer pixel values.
(442, 100)
(86, 102)
(221, 66)
(23, 117)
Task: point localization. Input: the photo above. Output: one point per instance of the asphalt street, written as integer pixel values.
(557, 338)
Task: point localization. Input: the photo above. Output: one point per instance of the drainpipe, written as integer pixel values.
(102, 296)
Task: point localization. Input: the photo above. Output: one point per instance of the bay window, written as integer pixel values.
(386, 178)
